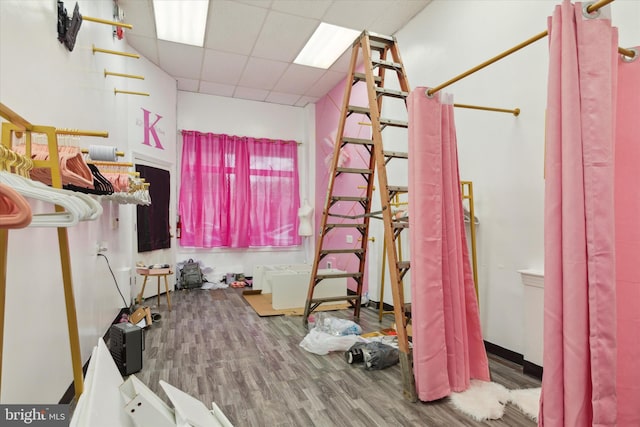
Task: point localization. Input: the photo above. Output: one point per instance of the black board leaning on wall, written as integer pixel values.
(153, 220)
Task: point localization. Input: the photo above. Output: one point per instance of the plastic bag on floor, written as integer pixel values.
(322, 343)
(375, 355)
(334, 326)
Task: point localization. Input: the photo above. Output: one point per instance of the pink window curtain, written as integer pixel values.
(592, 242)
(238, 192)
(448, 349)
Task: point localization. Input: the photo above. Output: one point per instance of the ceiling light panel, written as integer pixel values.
(326, 44)
(181, 21)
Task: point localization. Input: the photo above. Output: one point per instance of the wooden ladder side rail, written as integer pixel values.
(381, 310)
(406, 359)
(332, 175)
(53, 164)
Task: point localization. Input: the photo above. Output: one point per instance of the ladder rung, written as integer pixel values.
(396, 123)
(396, 155)
(403, 265)
(342, 251)
(348, 199)
(392, 93)
(400, 224)
(387, 64)
(362, 77)
(381, 38)
(348, 140)
(338, 275)
(346, 225)
(330, 299)
(357, 109)
(397, 189)
(354, 170)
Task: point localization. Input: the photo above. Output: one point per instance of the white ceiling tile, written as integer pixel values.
(188, 85)
(325, 84)
(282, 98)
(262, 73)
(309, 9)
(138, 13)
(146, 46)
(343, 62)
(258, 3)
(356, 14)
(222, 67)
(397, 16)
(233, 27)
(298, 79)
(304, 100)
(283, 36)
(250, 93)
(216, 89)
(180, 60)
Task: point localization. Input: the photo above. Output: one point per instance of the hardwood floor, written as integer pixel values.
(214, 346)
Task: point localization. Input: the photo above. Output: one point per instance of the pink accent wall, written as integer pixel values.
(327, 118)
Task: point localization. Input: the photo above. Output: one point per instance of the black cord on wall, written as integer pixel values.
(115, 281)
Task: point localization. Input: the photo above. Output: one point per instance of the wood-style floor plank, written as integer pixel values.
(214, 346)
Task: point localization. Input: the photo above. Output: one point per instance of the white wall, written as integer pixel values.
(501, 154)
(46, 84)
(207, 113)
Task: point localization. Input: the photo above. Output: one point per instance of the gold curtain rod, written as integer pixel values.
(181, 131)
(101, 134)
(590, 9)
(104, 21)
(130, 76)
(515, 111)
(114, 52)
(128, 92)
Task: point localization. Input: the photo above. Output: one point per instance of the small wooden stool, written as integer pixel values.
(166, 286)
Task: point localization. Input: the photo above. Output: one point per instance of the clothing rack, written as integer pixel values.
(18, 124)
(590, 9)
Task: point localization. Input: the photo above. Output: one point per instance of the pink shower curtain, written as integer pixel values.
(448, 349)
(591, 349)
(238, 192)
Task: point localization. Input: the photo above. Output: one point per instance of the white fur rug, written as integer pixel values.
(486, 400)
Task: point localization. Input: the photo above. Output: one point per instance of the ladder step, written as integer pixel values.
(348, 140)
(347, 225)
(354, 170)
(362, 77)
(358, 110)
(396, 155)
(393, 190)
(381, 38)
(348, 199)
(390, 65)
(396, 123)
(342, 251)
(338, 275)
(392, 93)
(331, 299)
(400, 224)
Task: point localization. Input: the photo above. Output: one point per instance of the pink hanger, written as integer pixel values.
(15, 211)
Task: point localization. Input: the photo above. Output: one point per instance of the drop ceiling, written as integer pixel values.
(250, 45)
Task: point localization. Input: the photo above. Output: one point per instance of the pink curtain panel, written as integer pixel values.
(448, 349)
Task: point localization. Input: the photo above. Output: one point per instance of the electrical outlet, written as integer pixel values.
(349, 238)
(101, 247)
